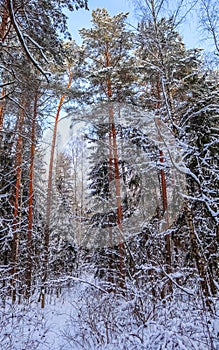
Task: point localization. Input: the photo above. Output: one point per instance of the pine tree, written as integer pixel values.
(177, 84)
(36, 26)
(108, 62)
(166, 68)
(107, 70)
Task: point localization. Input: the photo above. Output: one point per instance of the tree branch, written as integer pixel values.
(22, 41)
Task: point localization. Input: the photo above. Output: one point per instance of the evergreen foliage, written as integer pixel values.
(129, 206)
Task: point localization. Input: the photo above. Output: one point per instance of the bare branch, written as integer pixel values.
(6, 84)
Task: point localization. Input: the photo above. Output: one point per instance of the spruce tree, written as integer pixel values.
(199, 132)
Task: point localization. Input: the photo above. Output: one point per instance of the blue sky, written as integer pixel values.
(81, 19)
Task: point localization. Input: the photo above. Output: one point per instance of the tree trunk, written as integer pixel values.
(4, 22)
(118, 198)
(116, 173)
(110, 179)
(2, 101)
(30, 200)
(168, 249)
(3, 34)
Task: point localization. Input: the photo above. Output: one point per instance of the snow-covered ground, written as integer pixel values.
(84, 317)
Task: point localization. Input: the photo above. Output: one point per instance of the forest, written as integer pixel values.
(109, 191)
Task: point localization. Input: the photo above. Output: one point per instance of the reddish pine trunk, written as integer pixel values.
(118, 196)
(2, 101)
(30, 200)
(4, 23)
(116, 171)
(3, 34)
(165, 210)
(168, 252)
(110, 178)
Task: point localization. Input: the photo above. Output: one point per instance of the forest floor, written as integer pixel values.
(80, 317)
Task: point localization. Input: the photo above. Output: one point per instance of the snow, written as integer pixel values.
(83, 317)
(22, 41)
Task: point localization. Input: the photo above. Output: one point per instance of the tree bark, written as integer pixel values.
(2, 102)
(116, 172)
(4, 22)
(118, 200)
(168, 249)
(30, 199)
(3, 31)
